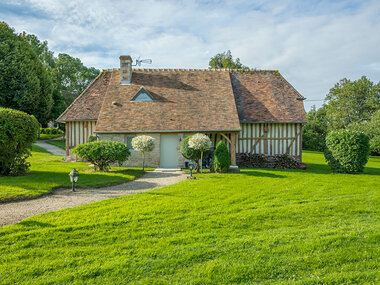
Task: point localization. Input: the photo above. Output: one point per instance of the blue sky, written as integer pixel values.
(313, 44)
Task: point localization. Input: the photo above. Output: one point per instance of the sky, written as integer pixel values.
(313, 44)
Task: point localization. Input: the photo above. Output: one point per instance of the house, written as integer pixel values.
(251, 111)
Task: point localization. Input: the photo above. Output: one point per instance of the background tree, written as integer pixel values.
(352, 101)
(143, 144)
(24, 83)
(314, 131)
(225, 60)
(372, 129)
(72, 77)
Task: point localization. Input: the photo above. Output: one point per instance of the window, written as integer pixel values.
(143, 96)
(128, 142)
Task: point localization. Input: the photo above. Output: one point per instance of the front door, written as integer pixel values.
(168, 151)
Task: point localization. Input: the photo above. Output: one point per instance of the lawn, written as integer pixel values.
(49, 172)
(262, 225)
(49, 136)
(59, 143)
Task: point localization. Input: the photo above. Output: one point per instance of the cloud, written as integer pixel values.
(313, 43)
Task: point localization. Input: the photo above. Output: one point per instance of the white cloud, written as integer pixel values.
(312, 43)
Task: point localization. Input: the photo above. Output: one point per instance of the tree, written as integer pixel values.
(72, 77)
(314, 131)
(352, 101)
(372, 129)
(201, 143)
(143, 144)
(221, 159)
(18, 131)
(225, 60)
(24, 82)
(190, 153)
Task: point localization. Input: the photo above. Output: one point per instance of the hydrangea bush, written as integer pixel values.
(201, 143)
(143, 144)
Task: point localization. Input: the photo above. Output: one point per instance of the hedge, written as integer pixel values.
(103, 153)
(18, 131)
(347, 151)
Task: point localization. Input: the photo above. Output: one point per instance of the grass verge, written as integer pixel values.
(49, 136)
(258, 226)
(49, 172)
(59, 143)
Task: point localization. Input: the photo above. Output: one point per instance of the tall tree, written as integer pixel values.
(315, 130)
(225, 60)
(352, 101)
(24, 82)
(71, 76)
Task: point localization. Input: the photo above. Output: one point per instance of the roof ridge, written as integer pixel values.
(197, 69)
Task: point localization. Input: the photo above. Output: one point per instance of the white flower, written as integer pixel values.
(200, 142)
(143, 143)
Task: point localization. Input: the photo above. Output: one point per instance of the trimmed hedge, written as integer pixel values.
(347, 151)
(18, 131)
(92, 138)
(221, 159)
(103, 153)
(50, 131)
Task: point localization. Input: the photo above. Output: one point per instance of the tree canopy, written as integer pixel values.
(225, 60)
(33, 80)
(25, 84)
(352, 101)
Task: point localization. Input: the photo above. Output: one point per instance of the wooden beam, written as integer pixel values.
(67, 138)
(233, 149)
(226, 137)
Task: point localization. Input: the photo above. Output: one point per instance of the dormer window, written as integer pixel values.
(143, 96)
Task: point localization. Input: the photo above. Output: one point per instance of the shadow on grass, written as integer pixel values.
(35, 224)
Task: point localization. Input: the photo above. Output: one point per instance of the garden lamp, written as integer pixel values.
(74, 175)
(191, 167)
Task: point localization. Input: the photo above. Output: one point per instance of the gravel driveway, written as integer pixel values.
(13, 212)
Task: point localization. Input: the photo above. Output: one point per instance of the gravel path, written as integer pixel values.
(50, 148)
(11, 213)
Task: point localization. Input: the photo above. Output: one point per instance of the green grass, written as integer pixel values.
(49, 136)
(59, 143)
(259, 226)
(49, 172)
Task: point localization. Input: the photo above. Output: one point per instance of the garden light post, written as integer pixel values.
(74, 175)
(191, 167)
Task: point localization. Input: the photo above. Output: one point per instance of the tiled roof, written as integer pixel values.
(184, 101)
(86, 106)
(187, 100)
(265, 96)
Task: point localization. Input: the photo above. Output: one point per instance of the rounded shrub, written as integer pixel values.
(103, 153)
(347, 151)
(221, 159)
(18, 131)
(92, 138)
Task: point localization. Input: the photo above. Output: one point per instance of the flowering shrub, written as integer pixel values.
(143, 144)
(201, 143)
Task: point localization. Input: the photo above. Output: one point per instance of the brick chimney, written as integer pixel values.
(125, 69)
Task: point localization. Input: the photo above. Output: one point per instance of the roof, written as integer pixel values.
(86, 106)
(183, 101)
(265, 96)
(187, 100)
